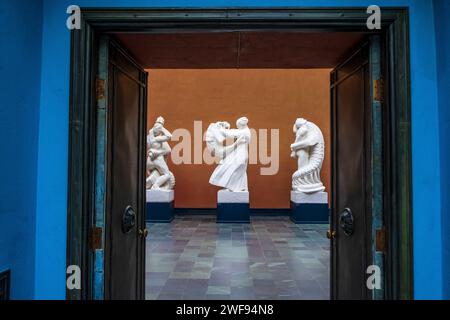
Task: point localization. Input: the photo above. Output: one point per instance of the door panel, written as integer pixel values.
(351, 185)
(352, 180)
(125, 130)
(124, 187)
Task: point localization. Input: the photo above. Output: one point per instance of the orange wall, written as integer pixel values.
(270, 98)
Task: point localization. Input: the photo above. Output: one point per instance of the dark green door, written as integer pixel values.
(357, 178)
(120, 186)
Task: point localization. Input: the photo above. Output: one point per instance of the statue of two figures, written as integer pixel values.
(309, 150)
(159, 176)
(231, 172)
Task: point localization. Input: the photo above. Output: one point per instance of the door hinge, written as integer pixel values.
(380, 243)
(95, 238)
(378, 90)
(100, 89)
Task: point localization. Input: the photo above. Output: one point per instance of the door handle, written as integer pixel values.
(143, 233)
(128, 219)
(346, 221)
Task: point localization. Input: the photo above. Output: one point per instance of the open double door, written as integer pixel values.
(119, 265)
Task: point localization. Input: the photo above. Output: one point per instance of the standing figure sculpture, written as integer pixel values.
(310, 150)
(231, 173)
(158, 173)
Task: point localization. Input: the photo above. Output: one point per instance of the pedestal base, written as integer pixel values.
(160, 206)
(309, 208)
(233, 207)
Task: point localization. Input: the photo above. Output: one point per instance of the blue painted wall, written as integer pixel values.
(51, 201)
(20, 60)
(442, 14)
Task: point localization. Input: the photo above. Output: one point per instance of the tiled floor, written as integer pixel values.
(195, 258)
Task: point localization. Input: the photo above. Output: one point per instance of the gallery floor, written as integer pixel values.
(195, 258)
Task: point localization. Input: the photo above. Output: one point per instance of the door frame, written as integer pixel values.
(397, 183)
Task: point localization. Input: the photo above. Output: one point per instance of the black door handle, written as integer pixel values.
(346, 221)
(128, 219)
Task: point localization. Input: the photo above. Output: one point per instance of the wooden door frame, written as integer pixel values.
(397, 119)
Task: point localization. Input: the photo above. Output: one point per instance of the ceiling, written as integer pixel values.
(240, 49)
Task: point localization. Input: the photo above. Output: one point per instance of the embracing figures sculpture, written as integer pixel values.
(231, 173)
(310, 150)
(159, 176)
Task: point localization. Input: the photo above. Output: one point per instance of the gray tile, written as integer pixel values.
(270, 258)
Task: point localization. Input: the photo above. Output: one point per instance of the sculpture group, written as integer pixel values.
(231, 172)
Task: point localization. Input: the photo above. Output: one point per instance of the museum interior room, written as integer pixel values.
(272, 78)
(165, 149)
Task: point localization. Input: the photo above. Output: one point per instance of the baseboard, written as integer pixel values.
(195, 212)
(259, 212)
(213, 212)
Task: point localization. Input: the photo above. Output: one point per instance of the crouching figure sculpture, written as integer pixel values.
(309, 149)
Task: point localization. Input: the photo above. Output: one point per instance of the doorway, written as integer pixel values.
(272, 78)
(87, 236)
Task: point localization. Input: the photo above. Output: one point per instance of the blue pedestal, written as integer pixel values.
(160, 206)
(310, 213)
(160, 212)
(233, 213)
(233, 207)
(309, 208)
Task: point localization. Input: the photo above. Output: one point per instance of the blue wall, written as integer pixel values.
(20, 60)
(442, 13)
(53, 134)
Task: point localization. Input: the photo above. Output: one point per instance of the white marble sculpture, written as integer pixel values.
(231, 173)
(309, 149)
(159, 176)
